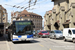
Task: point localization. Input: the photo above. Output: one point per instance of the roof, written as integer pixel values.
(14, 13)
(23, 21)
(31, 13)
(25, 12)
(2, 7)
(67, 22)
(50, 11)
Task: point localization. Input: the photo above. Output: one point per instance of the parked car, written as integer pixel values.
(38, 31)
(43, 33)
(69, 34)
(48, 31)
(56, 34)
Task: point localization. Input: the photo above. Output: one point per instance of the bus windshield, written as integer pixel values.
(22, 29)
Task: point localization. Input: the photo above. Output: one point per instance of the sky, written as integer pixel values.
(40, 8)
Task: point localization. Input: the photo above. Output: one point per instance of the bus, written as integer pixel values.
(21, 31)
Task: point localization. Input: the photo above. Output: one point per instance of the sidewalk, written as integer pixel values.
(3, 43)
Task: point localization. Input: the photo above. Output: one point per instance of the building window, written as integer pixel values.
(3, 18)
(3, 11)
(37, 16)
(33, 16)
(3, 15)
(25, 15)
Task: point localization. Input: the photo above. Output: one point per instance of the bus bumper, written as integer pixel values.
(28, 39)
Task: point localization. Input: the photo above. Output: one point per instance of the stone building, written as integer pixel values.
(62, 15)
(14, 15)
(25, 15)
(47, 21)
(3, 15)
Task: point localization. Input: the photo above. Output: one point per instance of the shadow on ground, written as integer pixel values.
(2, 38)
(69, 42)
(59, 39)
(26, 42)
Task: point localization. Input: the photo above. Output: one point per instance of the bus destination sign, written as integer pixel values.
(23, 23)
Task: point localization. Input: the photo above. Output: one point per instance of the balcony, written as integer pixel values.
(62, 8)
(54, 10)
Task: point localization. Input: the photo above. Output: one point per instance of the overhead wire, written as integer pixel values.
(38, 3)
(28, 5)
(21, 2)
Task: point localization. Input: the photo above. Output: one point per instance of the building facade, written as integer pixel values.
(25, 15)
(3, 15)
(62, 15)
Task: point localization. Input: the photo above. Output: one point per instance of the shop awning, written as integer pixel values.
(67, 22)
(49, 25)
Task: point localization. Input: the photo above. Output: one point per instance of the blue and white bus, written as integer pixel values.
(21, 31)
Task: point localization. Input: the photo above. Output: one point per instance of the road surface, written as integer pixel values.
(42, 44)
